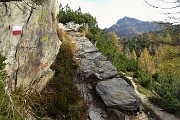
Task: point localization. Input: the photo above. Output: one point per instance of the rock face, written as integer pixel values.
(30, 54)
(118, 94)
(95, 68)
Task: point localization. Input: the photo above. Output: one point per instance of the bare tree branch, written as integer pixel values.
(177, 6)
(168, 2)
(171, 13)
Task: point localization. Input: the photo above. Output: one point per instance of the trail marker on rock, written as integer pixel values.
(17, 30)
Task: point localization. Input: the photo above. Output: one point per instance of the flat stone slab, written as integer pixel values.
(105, 70)
(90, 49)
(101, 70)
(116, 93)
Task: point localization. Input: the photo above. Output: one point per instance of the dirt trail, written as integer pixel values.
(163, 115)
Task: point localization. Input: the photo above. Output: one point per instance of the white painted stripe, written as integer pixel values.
(17, 28)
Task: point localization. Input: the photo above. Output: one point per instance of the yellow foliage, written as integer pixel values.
(146, 63)
(134, 56)
(167, 58)
(127, 53)
(84, 31)
(66, 39)
(115, 39)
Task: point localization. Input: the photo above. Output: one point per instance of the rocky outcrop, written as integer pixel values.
(94, 68)
(30, 54)
(118, 94)
(93, 63)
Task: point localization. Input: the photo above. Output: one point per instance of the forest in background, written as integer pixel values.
(151, 58)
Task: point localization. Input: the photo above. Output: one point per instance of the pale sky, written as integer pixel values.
(108, 12)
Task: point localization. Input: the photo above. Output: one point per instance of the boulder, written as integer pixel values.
(118, 94)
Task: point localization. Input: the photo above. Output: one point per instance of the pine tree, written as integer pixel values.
(146, 63)
(79, 10)
(60, 7)
(150, 49)
(168, 38)
(67, 8)
(156, 60)
(166, 58)
(134, 56)
(115, 39)
(127, 53)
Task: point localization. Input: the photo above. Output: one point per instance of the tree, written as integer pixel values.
(168, 92)
(127, 53)
(67, 8)
(115, 39)
(166, 58)
(79, 10)
(134, 56)
(168, 38)
(66, 14)
(146, 63)
(60, 7)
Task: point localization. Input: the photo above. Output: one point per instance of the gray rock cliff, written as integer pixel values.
(30, 53)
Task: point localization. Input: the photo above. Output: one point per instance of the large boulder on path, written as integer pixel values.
(117, 93)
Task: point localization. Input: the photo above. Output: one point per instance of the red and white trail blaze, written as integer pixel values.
(17, 30)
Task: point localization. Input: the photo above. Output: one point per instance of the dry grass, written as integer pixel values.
(66, 39)
(83, 31)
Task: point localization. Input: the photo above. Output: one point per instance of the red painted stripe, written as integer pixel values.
(18, 32)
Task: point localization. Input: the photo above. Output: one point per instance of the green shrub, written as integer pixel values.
(66, 15)
(132, 65)
(168, 90)
(144, 79)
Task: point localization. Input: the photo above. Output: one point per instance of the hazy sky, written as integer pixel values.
(107, 12)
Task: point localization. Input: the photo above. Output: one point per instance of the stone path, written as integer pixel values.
(94, 68)
(163, 115)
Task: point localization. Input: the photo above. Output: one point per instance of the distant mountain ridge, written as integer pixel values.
(130, 26)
